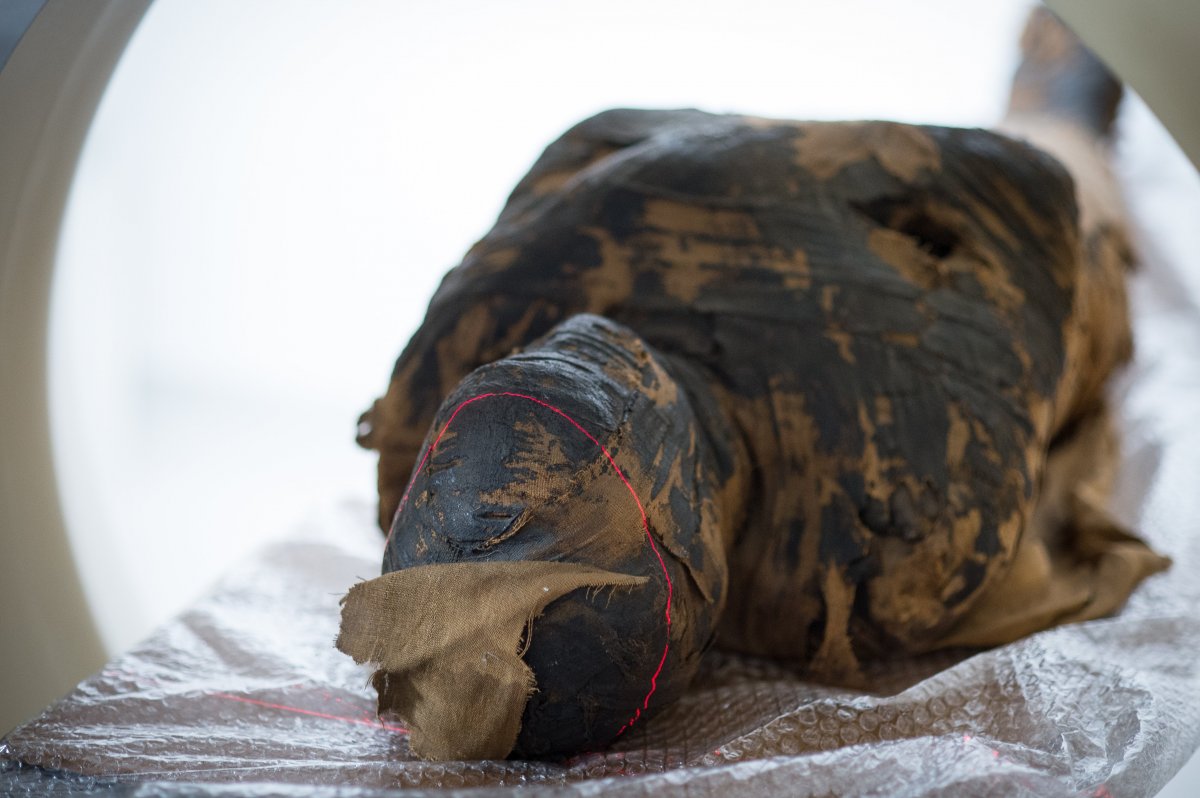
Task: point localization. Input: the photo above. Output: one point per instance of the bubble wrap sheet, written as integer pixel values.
(245, 694)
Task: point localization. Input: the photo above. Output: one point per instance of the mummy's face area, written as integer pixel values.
(536, 459)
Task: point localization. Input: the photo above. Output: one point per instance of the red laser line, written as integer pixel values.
(645, 521)
(378, 724)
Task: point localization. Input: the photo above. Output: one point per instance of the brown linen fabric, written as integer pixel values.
(448, 640)
(1076, 561)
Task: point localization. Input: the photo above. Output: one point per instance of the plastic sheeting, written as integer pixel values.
(246, 695)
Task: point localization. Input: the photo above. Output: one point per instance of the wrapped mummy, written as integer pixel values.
(823, 392)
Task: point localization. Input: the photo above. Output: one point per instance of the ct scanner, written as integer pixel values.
(59, 56)
(56, 58)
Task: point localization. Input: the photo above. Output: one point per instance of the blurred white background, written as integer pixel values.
(272, 190)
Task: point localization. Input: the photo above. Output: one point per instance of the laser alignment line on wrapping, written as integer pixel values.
(641, 510)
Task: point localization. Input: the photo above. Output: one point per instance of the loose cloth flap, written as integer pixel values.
(447, 640)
